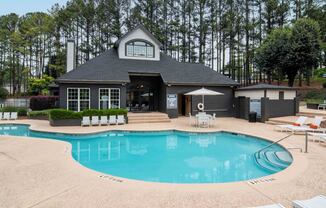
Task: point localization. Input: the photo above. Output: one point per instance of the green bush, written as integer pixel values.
(3, 93)
(58, 114)
(316, 94)
(93, 112)
(20, 111)
(108, 112)
(38, 114)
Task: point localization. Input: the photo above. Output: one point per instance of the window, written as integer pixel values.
(78, 99)
(281, 95)
(114, 98)
(109, 98)
(139, 49)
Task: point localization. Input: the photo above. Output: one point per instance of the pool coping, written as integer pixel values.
(276, 177)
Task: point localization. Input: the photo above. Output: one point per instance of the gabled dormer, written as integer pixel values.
(140, 44)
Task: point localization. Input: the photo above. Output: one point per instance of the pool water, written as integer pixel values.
(166, 156)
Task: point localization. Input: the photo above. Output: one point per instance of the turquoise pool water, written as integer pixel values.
(168, 156)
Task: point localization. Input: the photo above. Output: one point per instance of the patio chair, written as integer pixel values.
(321, 137)
(13, 116)
(121, 119)
(103, 120)
(112, 120)
(95, 121)
(192, 120)
(316, 202)
(299, 122)
(314, 126)
(272, 206)
(203, 120)
(6, 116)
(86, 121)
(1, 115)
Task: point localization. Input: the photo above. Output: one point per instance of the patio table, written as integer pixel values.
(203, 119)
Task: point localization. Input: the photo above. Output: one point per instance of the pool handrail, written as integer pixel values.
(259, 151)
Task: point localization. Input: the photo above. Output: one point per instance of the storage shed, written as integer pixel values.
(268, 101)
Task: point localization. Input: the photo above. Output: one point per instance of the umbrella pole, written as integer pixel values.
(203, 99)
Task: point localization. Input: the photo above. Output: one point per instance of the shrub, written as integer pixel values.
(20, 111)
(38, 114)
(107, 112)
(324, 85)
(3, 93)
(43, 102)
(316, 94)
(58, 114)
(93, 112)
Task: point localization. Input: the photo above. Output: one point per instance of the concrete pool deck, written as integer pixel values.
(42, 173)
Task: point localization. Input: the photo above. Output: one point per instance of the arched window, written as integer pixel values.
(139, 48)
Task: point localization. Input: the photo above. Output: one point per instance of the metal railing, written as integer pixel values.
(259, 151)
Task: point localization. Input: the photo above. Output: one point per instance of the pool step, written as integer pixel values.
(273, 161)
(151, 117)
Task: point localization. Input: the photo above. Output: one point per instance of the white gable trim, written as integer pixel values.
(134, 35)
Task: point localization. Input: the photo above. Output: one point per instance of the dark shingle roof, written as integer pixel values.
(266, 87)
(108, 68)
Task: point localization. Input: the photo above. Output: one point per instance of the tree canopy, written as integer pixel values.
(222, 34)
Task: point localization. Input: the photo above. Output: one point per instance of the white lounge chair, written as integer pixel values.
(103, 120)
(95, 121)
(6, 116)
(121, 119)
(316, 202)
(314, 126)
(1, 115)
(13, 116)
(272, 206)
(112, 120)
(321, 136)
(192, 120)
(86, 121)
(299, 122)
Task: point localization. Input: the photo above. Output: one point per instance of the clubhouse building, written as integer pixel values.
(134, 74)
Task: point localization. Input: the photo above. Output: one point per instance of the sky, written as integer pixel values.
(22, 7)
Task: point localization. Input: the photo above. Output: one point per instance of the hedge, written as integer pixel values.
(62, 114)
(43, 102)
(19, 110)
(38, 114)
(58, 114)
(108, 112)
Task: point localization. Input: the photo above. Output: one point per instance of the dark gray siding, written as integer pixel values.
(93, 93)
(278, 108)
(222, 105)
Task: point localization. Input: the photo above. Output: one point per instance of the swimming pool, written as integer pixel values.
(170, 156)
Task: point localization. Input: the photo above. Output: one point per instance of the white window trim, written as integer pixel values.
(78, 99)
(109, 101)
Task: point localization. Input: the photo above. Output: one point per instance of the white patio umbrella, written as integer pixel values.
(203, 91)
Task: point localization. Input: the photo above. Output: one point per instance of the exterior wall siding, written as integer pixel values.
(94, 93)
(222, 105)
(274, 94)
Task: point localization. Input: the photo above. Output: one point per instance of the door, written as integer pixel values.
(187, 104)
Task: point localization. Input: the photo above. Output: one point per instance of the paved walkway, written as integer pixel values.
(42, 173)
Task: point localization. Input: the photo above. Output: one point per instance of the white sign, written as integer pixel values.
(172, 101)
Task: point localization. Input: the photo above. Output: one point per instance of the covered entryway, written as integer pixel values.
(143, 92)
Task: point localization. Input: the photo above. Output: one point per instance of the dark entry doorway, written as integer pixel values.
(184, 104)
(143, 93)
